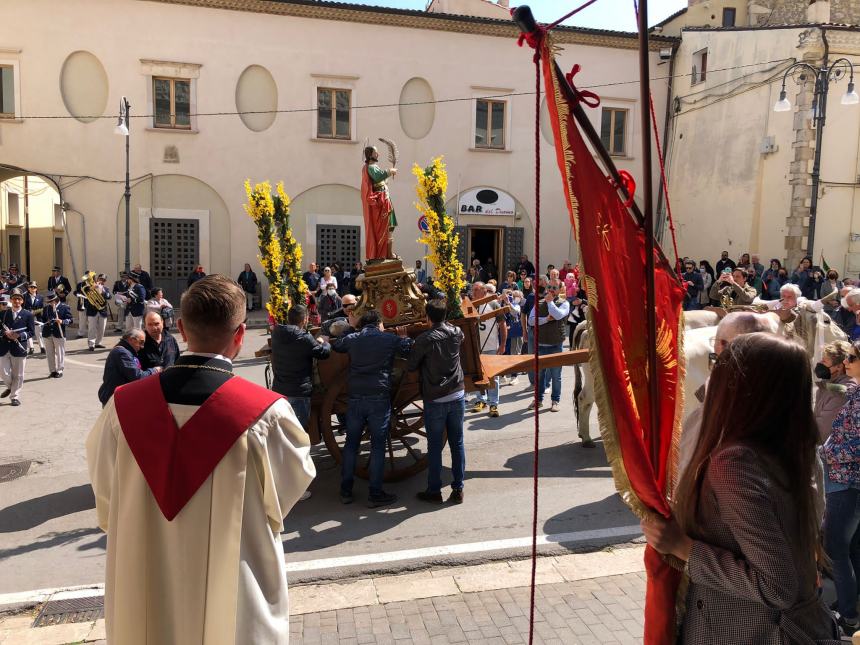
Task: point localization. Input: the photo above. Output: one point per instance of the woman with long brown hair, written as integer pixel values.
(745, 515)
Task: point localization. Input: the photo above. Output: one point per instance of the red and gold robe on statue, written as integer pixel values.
(379, 215)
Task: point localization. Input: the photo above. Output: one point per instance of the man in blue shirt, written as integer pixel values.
(371, 359)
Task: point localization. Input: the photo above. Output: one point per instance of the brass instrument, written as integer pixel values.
(91, 291)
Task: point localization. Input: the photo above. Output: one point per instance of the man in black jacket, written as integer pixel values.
(371, 361)
(437, 354)
(723, 262)
(293, 354)
(160, 349)
(341, 321)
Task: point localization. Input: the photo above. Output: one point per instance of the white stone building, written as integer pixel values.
(321, 77)
(740, 174)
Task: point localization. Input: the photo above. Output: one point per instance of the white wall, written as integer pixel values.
(299, 53)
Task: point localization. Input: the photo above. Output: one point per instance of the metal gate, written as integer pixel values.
(174, 254)
(336, 243)
(513, 250)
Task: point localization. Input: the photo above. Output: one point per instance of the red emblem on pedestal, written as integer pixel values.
(389, 308)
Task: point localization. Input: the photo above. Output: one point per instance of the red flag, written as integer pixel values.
(612, 255)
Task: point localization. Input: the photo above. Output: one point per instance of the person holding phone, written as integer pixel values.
(733, 282)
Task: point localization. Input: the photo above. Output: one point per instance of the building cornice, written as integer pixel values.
(385, 16)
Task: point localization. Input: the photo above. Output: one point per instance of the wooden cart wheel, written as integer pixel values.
(406, 449)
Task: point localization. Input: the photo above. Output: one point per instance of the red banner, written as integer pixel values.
(612, 256)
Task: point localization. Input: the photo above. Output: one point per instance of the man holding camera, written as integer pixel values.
(550, 315)
(733, 283)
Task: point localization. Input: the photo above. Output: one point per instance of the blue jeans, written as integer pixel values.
(842, 544)
(550, 374)
(302, 407)
(493, 392)
(439, 417)
(375, 412)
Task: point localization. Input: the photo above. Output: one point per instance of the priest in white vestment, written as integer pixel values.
(193, 472)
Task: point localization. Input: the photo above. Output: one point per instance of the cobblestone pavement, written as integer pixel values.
(596, 610)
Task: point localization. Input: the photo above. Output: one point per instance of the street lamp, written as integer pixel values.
(122, 128)
(823, 76)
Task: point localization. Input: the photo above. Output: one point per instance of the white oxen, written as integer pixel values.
(698, 345)
(813, 328)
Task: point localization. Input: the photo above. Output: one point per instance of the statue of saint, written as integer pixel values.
(379, 218)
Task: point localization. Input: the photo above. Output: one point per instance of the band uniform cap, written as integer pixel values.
(101, 276)
(51, 296)
(17, 293)
(57, 269)
(32, 284)
(134, 275)
(13, 266)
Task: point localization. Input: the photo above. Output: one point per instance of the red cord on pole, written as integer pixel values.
(537, 391)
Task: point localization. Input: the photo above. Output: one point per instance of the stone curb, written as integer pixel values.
(314, 598)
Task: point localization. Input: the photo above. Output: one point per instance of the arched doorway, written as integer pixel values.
(177, 222)
(32, 231)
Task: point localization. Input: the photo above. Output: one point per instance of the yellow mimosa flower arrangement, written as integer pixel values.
(441, 239)
(280, 253)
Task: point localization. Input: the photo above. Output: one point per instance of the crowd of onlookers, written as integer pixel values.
(703, 281)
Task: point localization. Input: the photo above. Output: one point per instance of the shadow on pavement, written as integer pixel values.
(33, 512)
(52, 540)
(564, 460)
(322, 521)
(606, 513)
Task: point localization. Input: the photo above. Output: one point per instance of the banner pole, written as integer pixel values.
(648, 223)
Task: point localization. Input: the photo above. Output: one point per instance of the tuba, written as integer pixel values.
(91, 291)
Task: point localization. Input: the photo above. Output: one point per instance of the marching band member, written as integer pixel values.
(59, 284)
(136, 300)
(120, 287)
(82, 312)
(15, 279)
(17, 326)
(56, 316)
(33, 303)
(96, 306)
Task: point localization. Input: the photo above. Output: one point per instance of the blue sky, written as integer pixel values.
(604, 14)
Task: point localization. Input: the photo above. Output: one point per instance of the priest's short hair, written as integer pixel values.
(213, 308)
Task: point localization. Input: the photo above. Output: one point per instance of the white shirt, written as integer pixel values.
(324, 282)
(556, 312)
(488, 330)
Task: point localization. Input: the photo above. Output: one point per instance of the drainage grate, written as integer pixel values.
(72, 610)
(8, 472)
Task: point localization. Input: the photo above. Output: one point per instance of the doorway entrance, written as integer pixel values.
(174, 254)
(484, 243)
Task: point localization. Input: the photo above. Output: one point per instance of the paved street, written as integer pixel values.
(580, 598)
(48, 537)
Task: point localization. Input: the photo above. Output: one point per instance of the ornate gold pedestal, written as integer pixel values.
(392, 290)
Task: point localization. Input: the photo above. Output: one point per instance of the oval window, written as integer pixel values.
(84, 86)
(417, 108)
(257, 98)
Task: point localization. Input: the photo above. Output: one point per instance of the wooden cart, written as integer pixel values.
(406, 452)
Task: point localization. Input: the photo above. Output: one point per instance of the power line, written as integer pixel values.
(376, 106)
